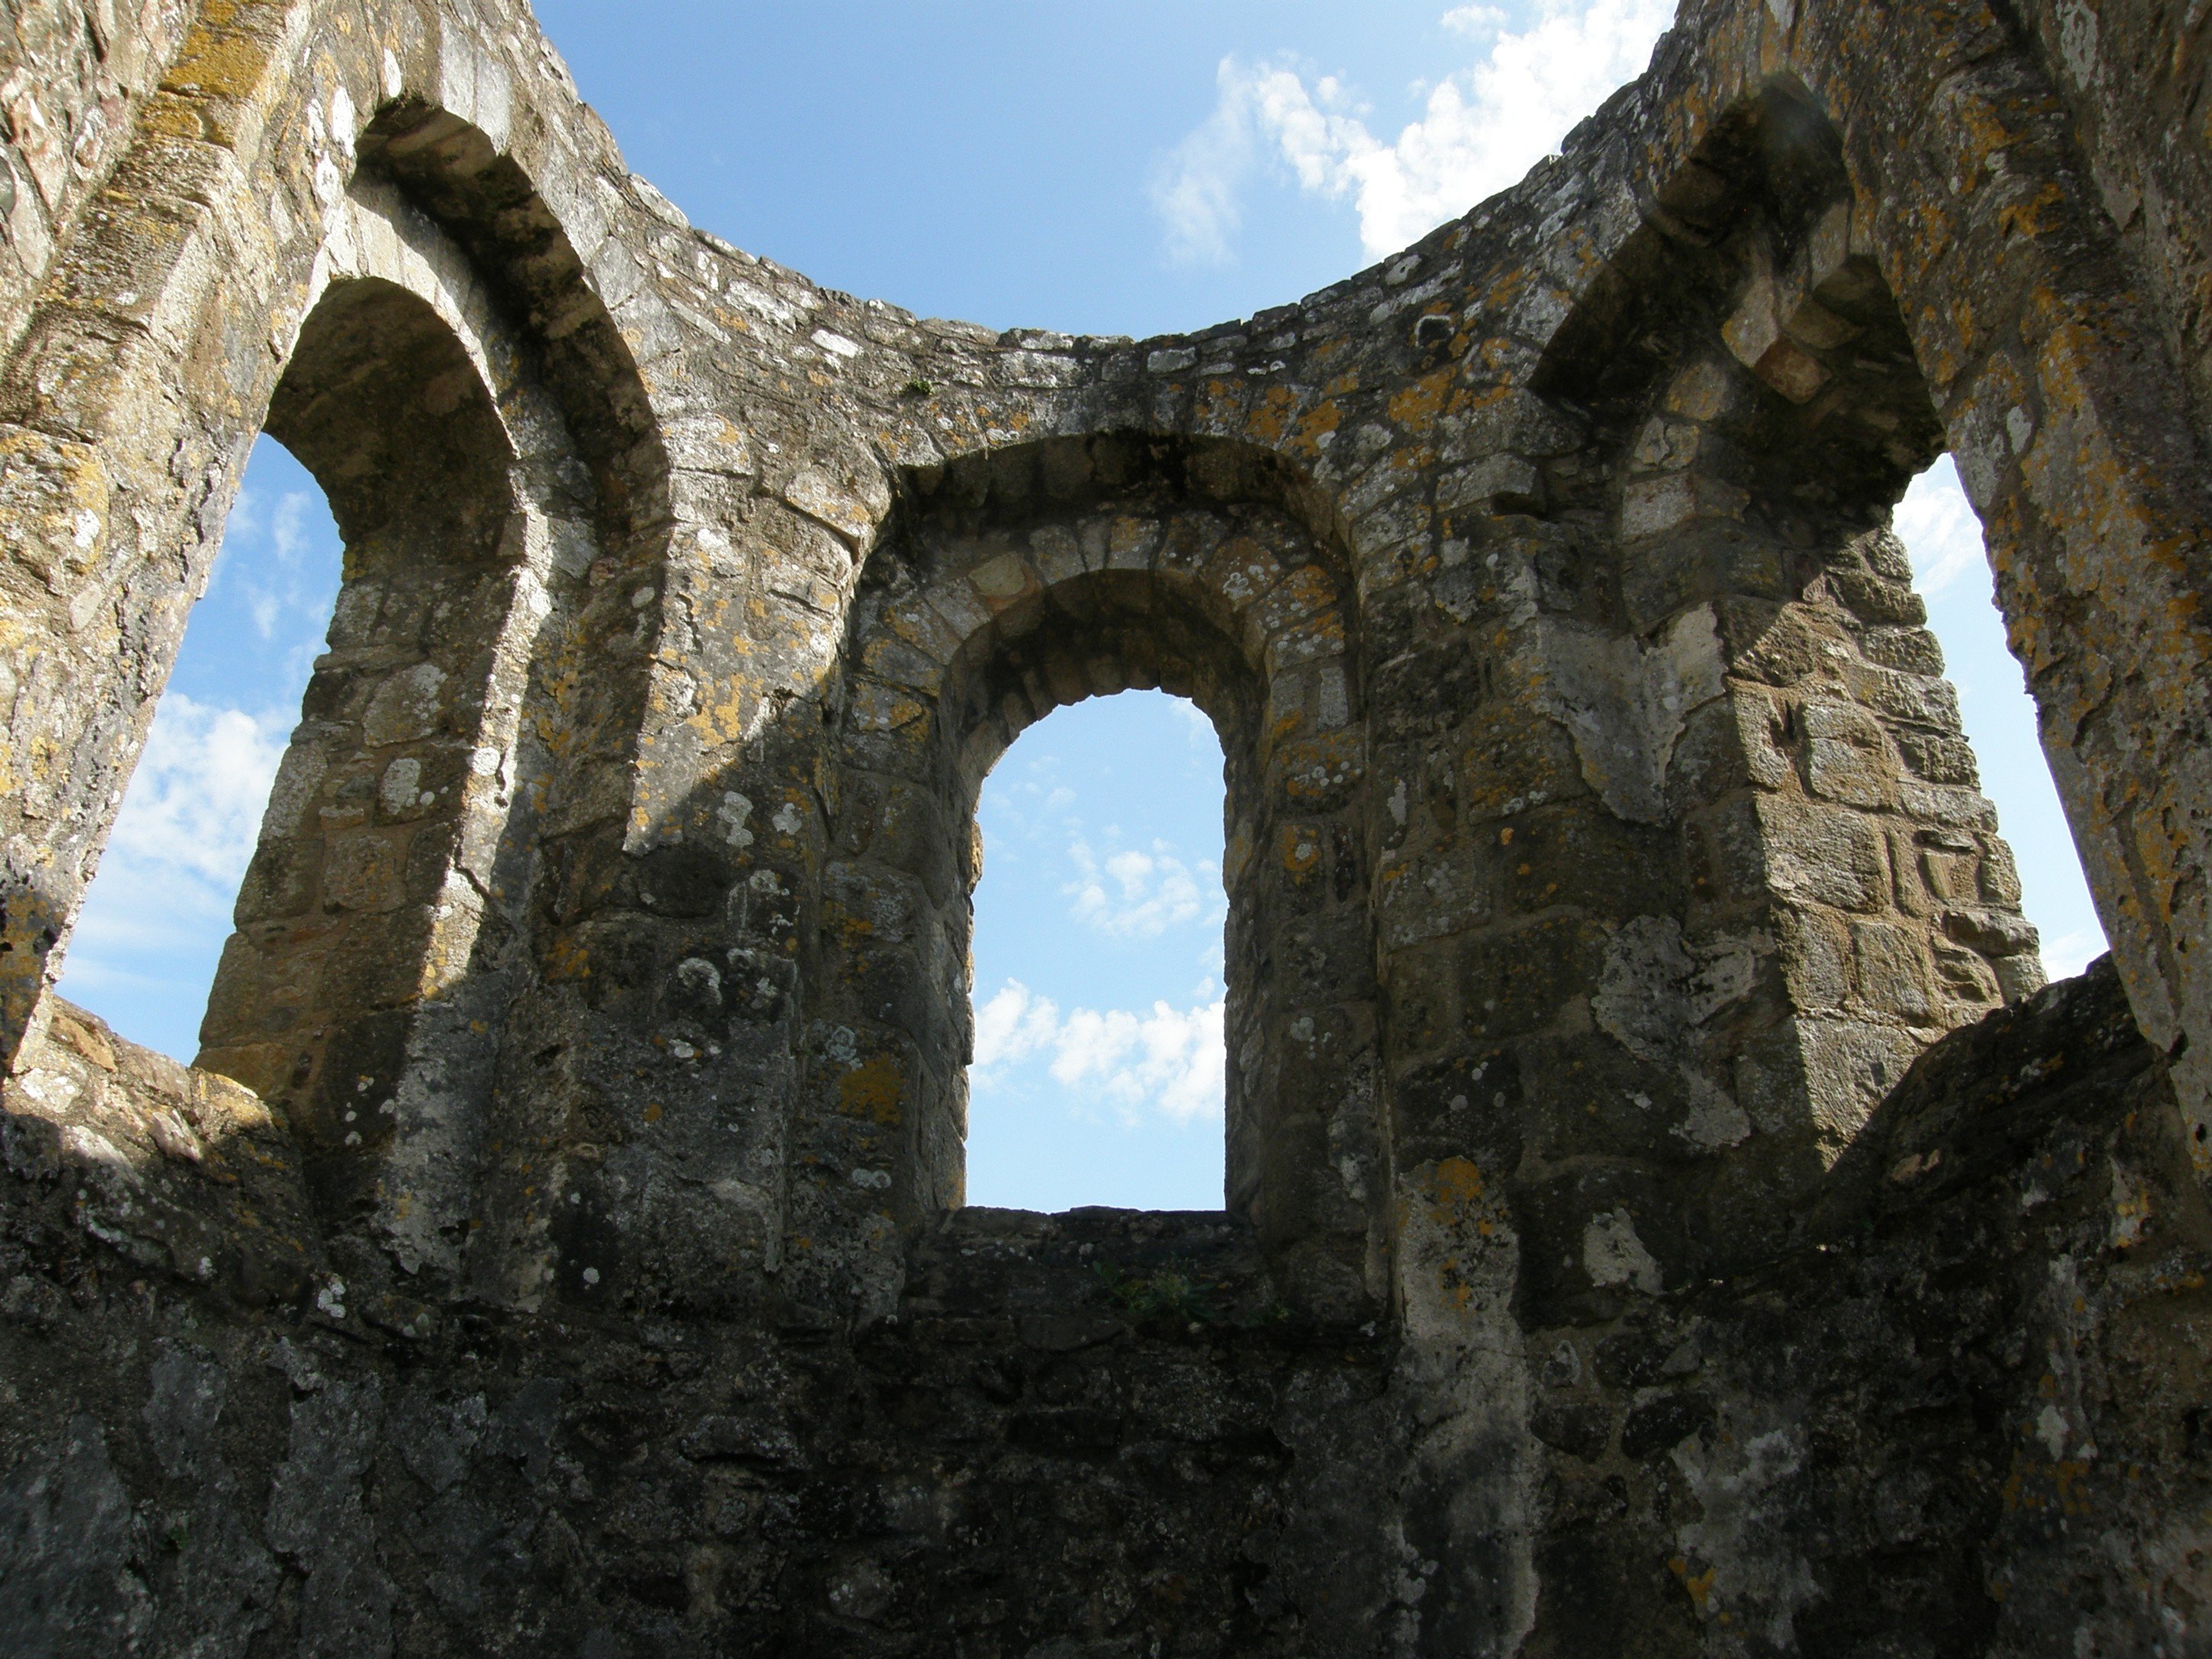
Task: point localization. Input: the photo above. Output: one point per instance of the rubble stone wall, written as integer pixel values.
(1667, 1213)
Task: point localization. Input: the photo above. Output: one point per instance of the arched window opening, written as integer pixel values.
(1098, 966)
(438, 361)
(1757, 390)
(362, 960)
(1951, 571)
(1035, 578)
(152, 931)
(358, 922)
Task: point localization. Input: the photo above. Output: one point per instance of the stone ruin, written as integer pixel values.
(1666, 1215)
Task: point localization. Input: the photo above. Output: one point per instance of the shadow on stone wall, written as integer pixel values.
(1933, 1421)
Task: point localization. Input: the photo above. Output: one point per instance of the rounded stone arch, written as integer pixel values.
(134, 392)
(1752, 407)
(1005, 585)
(1743, 336)
(485, 198)
(2072, 421)
(380, 928)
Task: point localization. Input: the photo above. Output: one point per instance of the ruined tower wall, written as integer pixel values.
(560, 1248)
(74, 81)
(2056, 351)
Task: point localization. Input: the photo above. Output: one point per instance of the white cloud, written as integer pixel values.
(1195, 191)
(181, 843)
(291, 532)
(1939, 528)
(196, 800)
(1013, 1025)
(1138, 895)
(1171, 1061)
(1477, 23)
(1483, 127)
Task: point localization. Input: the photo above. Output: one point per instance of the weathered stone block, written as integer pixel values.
(1890, 974)
(1847, 755)
(1698, 562)
(1515, 981)
(1596, 1241)
(1826, 854)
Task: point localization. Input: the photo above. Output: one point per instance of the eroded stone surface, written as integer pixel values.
(1665, 1214)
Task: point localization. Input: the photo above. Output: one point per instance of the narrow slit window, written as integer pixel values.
(1098, 967)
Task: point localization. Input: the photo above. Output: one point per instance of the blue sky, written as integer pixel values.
(1098, 963)
(145, 948)
(1135, 167)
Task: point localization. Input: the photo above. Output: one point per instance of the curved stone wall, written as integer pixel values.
(1665, 1214)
